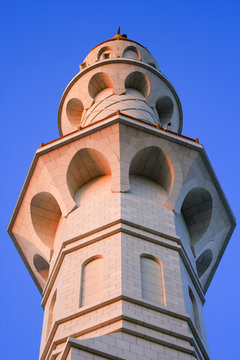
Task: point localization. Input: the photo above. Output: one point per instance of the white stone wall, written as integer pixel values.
(126, 203)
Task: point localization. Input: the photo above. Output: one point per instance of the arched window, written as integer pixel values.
(204, 261)
(194, 310)
(139, 81)
(152, 279)
(152, 162)
(41, 265)
(131, 52)
(197, 212)
(51, 312)
(92, 281)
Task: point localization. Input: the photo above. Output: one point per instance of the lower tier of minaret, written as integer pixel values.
(122, 225)
(120, 294)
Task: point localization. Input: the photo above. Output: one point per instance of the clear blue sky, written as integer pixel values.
(197, 46)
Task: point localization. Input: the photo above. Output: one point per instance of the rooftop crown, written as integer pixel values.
(119, 75)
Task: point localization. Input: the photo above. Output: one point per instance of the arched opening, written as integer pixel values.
(46, 214)
(74, 111)
(86, 165)
(139, 81)
(105, 53)
(41, 265)
(99, 82)
(194, 310)
(152, 279)
(153, 163)
(92, 281)
(51, 313)
(197, 211)
(131, 52)
(164, 107)
(203, 262)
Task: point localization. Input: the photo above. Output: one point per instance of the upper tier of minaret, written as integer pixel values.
(119, 75)
(120, 47)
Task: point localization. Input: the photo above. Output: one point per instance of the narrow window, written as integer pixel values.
(203, 262)
(51, 312)
(152, 279)
(41, 265)
(194, 310)
(92, 282)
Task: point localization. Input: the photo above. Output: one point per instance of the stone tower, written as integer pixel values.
(121, 221)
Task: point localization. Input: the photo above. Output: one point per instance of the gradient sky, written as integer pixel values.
(197, 46)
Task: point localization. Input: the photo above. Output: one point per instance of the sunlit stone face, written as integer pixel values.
(132, 103)
(119, 49)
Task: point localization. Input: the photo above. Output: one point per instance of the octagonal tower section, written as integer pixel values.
(121, 221)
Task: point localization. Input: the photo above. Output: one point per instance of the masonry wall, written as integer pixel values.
(122, 195)
(72, 318)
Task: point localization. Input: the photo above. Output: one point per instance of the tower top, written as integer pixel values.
(119, 74)
(119, 36)
(114, 42)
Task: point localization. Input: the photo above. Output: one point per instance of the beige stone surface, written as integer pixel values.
(121, 224)
(121, 81)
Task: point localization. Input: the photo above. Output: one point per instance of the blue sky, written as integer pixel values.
(196, 44)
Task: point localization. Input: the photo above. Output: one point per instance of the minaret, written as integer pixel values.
(121, 221)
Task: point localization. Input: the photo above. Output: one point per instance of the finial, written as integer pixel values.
(119, 36)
